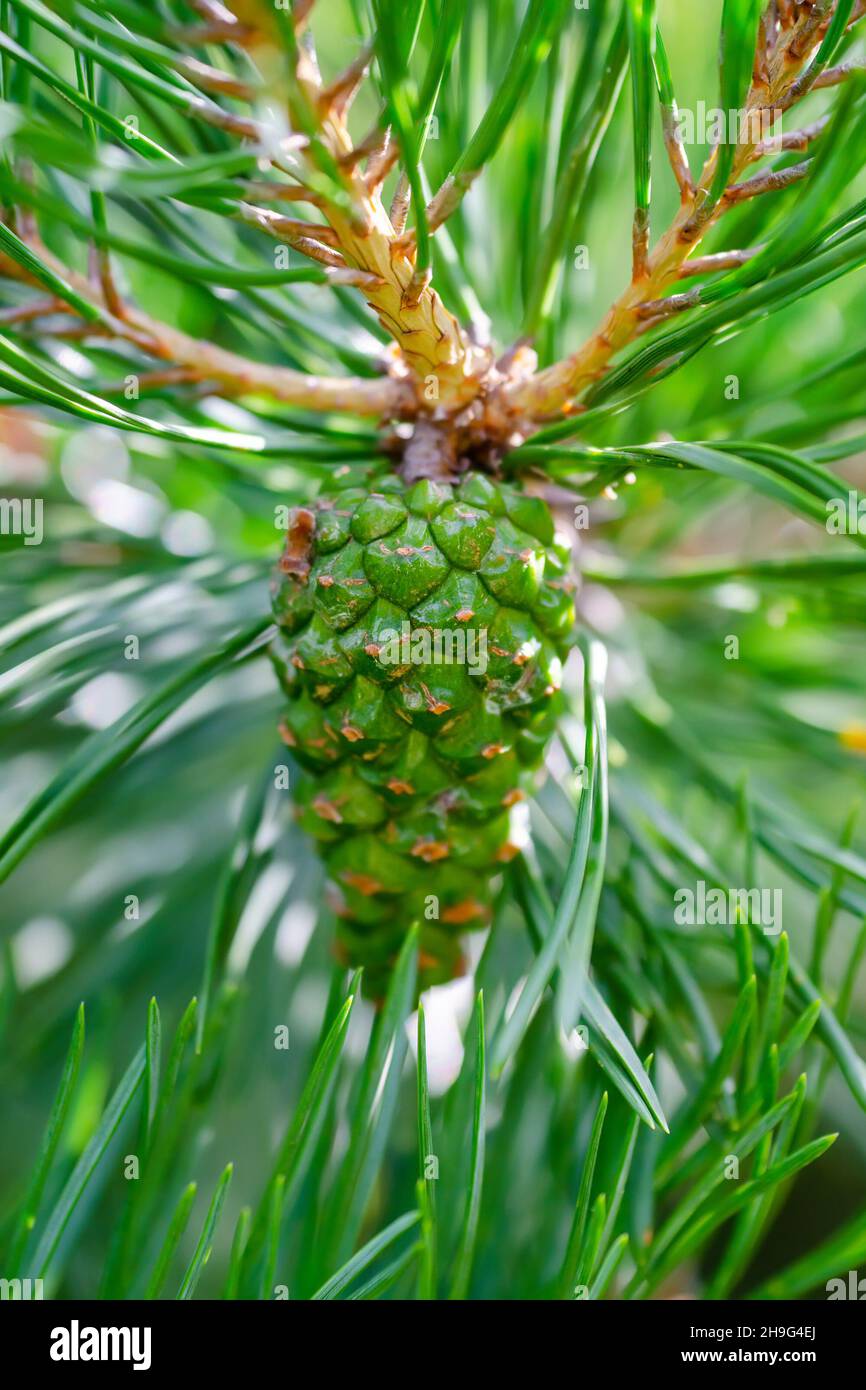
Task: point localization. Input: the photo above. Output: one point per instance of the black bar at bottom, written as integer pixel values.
(66, 1339)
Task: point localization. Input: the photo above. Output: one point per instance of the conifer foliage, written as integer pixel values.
(518, 345)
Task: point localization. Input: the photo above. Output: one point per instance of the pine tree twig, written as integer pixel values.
(772, 17)
(243, 126)
(78, 332)
(382, 158)
(364, 249)
(547, 393)
(35, 309)
(317, 241)
(171, 376)
(219, 26)
(791, 140)
(200, 35)
(432, 341)
(647, 325)
(812, 28)
(658, 309)
(102, 273)
(819, 20)
(417, 286)
(340, 94)
(763, 49)
(368, 148)
(448, 199)
(301, 11)
(719, 260)
(215, 13)
(676, 151)
(433, 344)
(384, 397)
(290, 229)
(399, 209)
(265, 191)
(24, 218)
(640, 239)
(212, 79)
(769, 181)
(317, 251)
(832, 77)
(307, 71)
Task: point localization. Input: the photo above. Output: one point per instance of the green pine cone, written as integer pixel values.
(421, 636)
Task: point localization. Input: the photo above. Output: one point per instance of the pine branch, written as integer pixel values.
(791, 140)
(212, 79)
(676, 150)
(720, 260)
(340, 93)
(355, 238)
(431, 340)
(204, 361)
(26, 313)
(770, 181)
(658, 309)
(215, 13)
(832, 77)
(555, 389)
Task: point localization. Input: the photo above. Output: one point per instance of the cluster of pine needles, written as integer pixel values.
(629, 1102)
